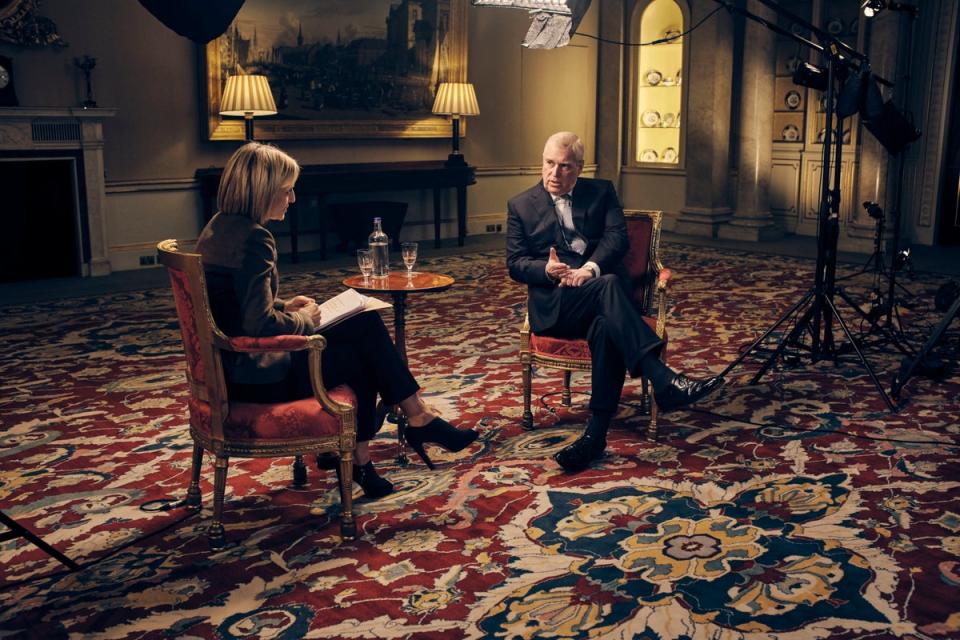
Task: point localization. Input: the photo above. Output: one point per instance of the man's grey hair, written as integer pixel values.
(567, 140)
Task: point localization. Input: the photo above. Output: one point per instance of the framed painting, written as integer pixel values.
(358, 69)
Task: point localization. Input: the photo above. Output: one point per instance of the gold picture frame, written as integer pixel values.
(345, 82)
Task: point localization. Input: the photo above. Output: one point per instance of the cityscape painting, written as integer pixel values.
(358, 69)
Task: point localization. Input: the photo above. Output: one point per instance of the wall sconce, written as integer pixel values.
(456, 99)
(247, 96)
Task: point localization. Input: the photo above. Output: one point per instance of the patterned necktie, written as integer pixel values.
(564, 207)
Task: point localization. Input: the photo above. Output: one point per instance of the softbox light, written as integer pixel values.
(808, 75)
(554, 21)
(891, 128)
(198, 20)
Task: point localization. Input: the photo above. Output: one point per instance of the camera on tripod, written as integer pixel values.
(873, 210)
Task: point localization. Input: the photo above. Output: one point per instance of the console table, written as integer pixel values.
(322, 180)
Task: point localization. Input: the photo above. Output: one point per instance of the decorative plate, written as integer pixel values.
(792, 100)
(648, 155)
(846, 136)
(790, 133)
(667, 120)
(669, 154)
(654, 77)
(835, 26)
(668, 82)
(821, 135)
(650, 118)
(672, 32)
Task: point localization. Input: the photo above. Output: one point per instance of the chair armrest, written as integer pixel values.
(315, 343)
(247, 344)
(663, 281)
(525, 335)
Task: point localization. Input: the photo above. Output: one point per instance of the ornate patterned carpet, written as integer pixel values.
(794, 508)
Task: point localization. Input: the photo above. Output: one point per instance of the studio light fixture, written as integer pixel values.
(554, 21)
(872, 7)
(809, 75)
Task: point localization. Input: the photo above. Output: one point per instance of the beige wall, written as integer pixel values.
(153, 145)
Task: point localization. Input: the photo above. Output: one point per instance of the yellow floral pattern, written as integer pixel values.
(592, 519)
(803, 581)
(681, 548)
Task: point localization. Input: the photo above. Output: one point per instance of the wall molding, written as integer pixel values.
(151, 186)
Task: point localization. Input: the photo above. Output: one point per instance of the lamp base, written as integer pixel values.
(456, 160)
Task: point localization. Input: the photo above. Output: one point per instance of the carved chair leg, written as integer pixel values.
(566, 398)
(193, 492)
(652, 426)
(527, 414)
(216, 532)
(299, 472)
(645, 396)
(348, 528)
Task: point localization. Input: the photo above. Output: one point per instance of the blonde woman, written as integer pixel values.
(240, 262)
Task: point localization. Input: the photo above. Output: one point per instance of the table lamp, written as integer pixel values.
(456, 99)
(247, 96)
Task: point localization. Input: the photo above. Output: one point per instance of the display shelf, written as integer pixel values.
(657, 112)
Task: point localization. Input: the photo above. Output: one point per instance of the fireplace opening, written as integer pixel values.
(41, 216)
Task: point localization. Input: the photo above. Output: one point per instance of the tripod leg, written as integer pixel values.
(17, 530)
(759, 340)
(874, 324)
(801, 324)
(863, 360)
(931, 342)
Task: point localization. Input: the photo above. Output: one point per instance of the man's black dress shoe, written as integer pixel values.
(579, 455)
(683, 391)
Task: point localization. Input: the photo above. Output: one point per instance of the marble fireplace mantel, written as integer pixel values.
(33, 129)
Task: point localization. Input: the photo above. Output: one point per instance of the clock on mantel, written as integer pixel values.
(8, 97)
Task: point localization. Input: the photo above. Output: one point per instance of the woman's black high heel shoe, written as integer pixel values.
(441, 432)
(373, 485)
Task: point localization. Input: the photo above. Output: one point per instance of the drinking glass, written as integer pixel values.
(409, 252)
(365, 262)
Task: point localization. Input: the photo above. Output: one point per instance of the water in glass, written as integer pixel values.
(409, 252)
(365, 262)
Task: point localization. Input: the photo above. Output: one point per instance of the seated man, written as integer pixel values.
(566, 239)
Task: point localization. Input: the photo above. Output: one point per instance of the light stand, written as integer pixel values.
(897, 214)
(821, 312)
(894, 133)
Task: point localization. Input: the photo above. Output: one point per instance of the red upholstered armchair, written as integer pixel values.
(649, 279)
(325, 423)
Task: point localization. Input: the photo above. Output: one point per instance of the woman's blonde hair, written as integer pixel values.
(254, 174)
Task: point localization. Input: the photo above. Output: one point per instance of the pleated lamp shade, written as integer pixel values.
(247, 96)
(456, 99)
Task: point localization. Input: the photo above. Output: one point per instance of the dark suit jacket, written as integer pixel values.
(240, 264)
(533, 227)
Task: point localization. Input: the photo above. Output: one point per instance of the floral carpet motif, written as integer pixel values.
(796, 507)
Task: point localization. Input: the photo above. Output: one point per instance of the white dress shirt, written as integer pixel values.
(563, 204)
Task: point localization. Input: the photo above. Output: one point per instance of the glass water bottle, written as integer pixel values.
(379, 245)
